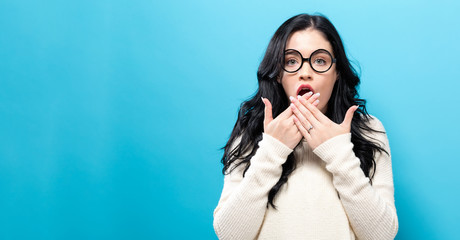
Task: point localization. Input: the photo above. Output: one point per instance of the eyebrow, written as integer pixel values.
(291, 49)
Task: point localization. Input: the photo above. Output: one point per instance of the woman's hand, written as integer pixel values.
(315, 127)
(282, 127)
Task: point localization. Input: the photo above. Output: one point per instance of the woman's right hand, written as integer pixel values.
(283, 126)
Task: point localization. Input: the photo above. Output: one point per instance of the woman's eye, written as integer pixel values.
(319, 61)
(291, 62)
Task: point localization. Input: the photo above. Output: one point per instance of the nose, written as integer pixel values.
(306, 72)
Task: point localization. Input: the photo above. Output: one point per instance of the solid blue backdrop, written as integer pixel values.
(112, 113)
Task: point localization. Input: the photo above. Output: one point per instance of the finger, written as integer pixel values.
(305, 123)
(305, 112)
(307, 95)
(349, 117)
(310, 97)
(285, 114)
(268, 115)
(302, 130)
(315, 103)
(291, 120)
(314, 110)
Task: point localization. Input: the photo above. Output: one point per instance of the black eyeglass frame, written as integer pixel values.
(334, 60)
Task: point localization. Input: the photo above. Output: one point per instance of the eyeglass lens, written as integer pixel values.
(320, 60)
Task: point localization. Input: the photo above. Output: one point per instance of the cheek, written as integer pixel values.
(326, 91)
(285, 87)
(329, 84)
(289, 86)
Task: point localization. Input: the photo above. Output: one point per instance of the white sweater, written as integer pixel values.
(308, 204)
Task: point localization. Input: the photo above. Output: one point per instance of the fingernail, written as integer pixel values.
(310, 93)
(317, 94)
(292, 106)
(316, 102)
(298, 96)
(291, 98)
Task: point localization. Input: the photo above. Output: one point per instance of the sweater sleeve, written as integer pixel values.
(370, 208)
(242, 205)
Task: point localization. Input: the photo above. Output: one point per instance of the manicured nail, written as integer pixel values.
(292, 106)
(291, 98)
(317, 94)
(316, 102)
(309, 93)
(298, 96)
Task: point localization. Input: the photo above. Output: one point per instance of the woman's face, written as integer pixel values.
(306, 42)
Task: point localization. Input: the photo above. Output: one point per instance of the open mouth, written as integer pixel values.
(303, 89)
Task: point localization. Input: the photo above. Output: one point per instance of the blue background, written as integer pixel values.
(112, 113)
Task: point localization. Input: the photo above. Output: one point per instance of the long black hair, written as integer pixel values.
(249, 125)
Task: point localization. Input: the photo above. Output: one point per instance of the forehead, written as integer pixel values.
(307, 41)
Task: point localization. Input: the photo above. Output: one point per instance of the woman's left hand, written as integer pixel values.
(315, 127)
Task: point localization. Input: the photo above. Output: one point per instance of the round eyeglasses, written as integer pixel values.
(320, 60)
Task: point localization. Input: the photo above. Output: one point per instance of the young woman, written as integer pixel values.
(305, 160)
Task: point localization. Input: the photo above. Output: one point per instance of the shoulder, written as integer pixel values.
(376, 132)
(374, 123)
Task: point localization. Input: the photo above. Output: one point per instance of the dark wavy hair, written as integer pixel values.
(249, 125)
